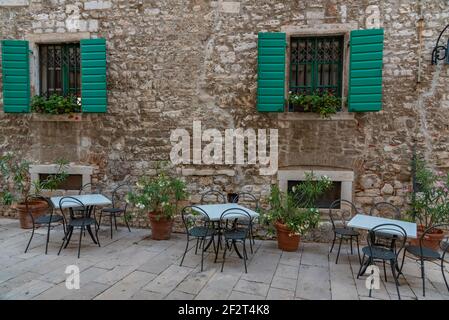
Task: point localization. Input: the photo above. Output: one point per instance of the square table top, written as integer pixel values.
(366, 222)
(86, 199)
(214, 211)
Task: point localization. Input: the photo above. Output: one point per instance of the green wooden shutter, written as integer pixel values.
(93, 75)
(365, 78)
(271, 72)
(16, 76)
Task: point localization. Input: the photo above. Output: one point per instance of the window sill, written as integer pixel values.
(70, 117)
(307, 116)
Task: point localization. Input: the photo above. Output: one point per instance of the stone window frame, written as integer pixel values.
(337, 29)
(47, 38)
(346, 177)
(85, 171)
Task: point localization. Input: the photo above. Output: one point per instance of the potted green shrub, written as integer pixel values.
(16, 186)
(430, 205)
(293, 214)
(324, 103)
(160, 197)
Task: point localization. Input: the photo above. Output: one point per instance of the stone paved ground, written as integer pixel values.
(133, 267)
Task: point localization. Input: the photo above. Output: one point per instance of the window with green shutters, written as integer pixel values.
(317, 64)
(64, 69)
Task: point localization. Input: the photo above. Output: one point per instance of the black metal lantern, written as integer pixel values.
(441, 52)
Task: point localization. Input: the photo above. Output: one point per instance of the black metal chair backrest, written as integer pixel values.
(346, 211)
(385, 210)
(84, 188)
(397, 233)
(73, 203)
(119, 196)
(444, 243)
(236, 215)
(194, 216)
(219, 197)
(42, 198)
(247, 199)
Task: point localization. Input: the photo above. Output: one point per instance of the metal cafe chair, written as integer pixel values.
(213, 196)
(425, 254)
(119, 206)
(197, 225)
(219, 197)
(374, 252)
(83, 222)
(50, 219)
(343, 232)
(235, 233)
(248, 199)
(385, 210)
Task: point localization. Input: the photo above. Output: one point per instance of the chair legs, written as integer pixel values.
(185, 251)
(79, 243)
(224, 255)
(110, 218)
(333, 242)
(396, 281)
(245, 256)
(443, 272)
(31, 238)
(126, 221)
(339, 248)
(362, 264)
(423, 276)
(358, 249)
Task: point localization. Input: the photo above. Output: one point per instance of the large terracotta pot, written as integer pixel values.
(37, 209)
(286, 240)
(431, 240)
(160, 226)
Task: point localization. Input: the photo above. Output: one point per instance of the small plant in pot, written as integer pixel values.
(293, 214)
(430, 205)
(16, 187)
(160, 197)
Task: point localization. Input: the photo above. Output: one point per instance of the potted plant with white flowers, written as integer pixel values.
(293, 214)
(160, 197)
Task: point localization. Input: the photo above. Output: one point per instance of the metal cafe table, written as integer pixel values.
(89, 200)
(214, 211)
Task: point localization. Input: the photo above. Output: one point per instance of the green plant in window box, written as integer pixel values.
(55, 104)
(325, 103)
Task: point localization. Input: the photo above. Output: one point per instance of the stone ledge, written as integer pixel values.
(71, 117)
(305, 116)
(207, 172)
(14, 3)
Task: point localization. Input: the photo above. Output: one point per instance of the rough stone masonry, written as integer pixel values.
(171, 62)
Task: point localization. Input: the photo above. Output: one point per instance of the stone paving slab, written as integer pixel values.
(132, 266)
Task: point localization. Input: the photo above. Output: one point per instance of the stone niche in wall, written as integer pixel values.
(342, 180)
(78, 176)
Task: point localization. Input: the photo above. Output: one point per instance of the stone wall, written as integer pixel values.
(172, 62)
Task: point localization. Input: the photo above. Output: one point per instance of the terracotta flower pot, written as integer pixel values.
(160, 226)
(431, 240)
(37, 208)
(286, 240)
